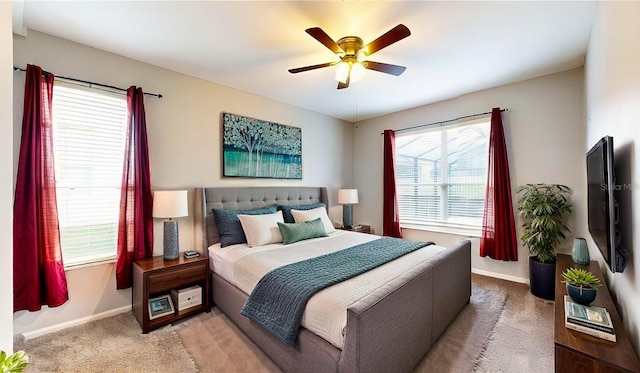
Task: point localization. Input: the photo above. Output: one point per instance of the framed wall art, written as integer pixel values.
(261, 149)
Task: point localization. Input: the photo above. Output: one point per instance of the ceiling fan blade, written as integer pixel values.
(312, 67)
(345, 84)
(325, 39)
(395, 34)
(384, 67)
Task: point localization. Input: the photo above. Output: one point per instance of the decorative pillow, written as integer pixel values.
(229, 227)
(294, 232)
(286, 210)
(300, 216)
(261, 229)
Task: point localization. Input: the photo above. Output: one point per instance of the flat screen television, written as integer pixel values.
(602, 207)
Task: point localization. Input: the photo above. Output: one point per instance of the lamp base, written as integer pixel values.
(170, 243)
(347, 216)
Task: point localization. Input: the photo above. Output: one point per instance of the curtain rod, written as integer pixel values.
(434, 124)
(90, 84)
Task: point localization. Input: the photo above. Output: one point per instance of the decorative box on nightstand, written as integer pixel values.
(357, 228)
(187, 297)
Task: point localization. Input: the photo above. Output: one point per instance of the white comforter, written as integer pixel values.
(326, 312)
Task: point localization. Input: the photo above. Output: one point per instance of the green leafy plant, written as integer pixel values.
(580, 277)
(13, 363)
(542, 209)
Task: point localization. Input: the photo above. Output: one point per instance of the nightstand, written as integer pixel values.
(154, 277)
(358, 228)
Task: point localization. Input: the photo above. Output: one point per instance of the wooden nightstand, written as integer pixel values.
(155, 276)
(360, 228)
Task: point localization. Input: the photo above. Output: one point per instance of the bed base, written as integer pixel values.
(388, 331)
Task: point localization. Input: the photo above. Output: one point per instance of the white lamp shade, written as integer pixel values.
(357, 72)
(342, 72)
(348, 196)
(170, 204)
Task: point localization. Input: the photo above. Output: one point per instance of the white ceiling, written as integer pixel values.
(454, 48)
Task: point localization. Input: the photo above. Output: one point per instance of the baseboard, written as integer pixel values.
(500, 276)
(80, 321)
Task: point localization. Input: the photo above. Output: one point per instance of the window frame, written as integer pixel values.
(64, 183)
(442, 225)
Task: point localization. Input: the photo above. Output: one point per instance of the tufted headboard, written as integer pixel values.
(245, 198)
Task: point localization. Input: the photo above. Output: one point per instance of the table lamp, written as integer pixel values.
(170, 204)
(347, 198)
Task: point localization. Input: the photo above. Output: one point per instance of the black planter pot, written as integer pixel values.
(542, 278)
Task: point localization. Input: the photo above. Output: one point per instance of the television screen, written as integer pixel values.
(601, 204)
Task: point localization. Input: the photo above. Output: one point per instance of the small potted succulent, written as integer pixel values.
(581, 285)
(13, 363)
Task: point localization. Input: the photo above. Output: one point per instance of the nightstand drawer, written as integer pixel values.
(176, 278)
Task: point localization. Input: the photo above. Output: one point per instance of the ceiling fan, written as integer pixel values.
(350, 49)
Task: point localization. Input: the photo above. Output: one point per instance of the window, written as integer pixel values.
(88, 133)
(441, 175)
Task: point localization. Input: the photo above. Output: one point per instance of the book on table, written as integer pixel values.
(191, 254)
(591, 320)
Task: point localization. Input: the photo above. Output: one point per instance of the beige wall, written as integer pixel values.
(544, 128)
(184, 149)
(612, 75)
(6, 186)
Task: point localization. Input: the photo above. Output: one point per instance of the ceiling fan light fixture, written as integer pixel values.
(342, 72)
(351, 50)
(357, 72)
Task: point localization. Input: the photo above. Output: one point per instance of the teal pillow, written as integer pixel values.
(294, 232)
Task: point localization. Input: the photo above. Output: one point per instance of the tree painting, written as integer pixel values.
(257, 148)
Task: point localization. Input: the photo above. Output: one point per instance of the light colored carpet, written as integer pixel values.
(503, 329)
(464, 341)
(113, 344)
(217, 345)
(522, 340)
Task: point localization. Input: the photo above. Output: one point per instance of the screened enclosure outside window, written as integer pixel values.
(89, 134)
(441, 175)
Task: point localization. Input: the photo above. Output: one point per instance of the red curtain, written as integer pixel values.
(135, 228)
(38, 271)
(498, 239)
(390, 219)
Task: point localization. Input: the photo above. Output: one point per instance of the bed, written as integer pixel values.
(389, 329)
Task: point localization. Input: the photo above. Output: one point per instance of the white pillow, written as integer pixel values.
(300, 216)
(261, 229)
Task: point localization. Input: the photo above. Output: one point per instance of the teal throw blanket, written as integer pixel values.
(280, 297)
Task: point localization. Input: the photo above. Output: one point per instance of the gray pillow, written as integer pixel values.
(229, 227)
(286, 210)
(294, 232)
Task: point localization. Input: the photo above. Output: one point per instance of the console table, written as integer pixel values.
(579, 352)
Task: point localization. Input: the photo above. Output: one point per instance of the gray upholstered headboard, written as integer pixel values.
(246, 198)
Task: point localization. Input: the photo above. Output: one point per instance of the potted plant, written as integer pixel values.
(581, 285)
(14, 363)
(542, 209)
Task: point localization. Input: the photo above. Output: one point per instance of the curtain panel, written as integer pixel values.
(38, 270)
(498, 240)
(390, 216)
(135, 227)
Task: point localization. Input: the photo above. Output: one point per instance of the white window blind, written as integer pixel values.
(441, 174)
(89, 134)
